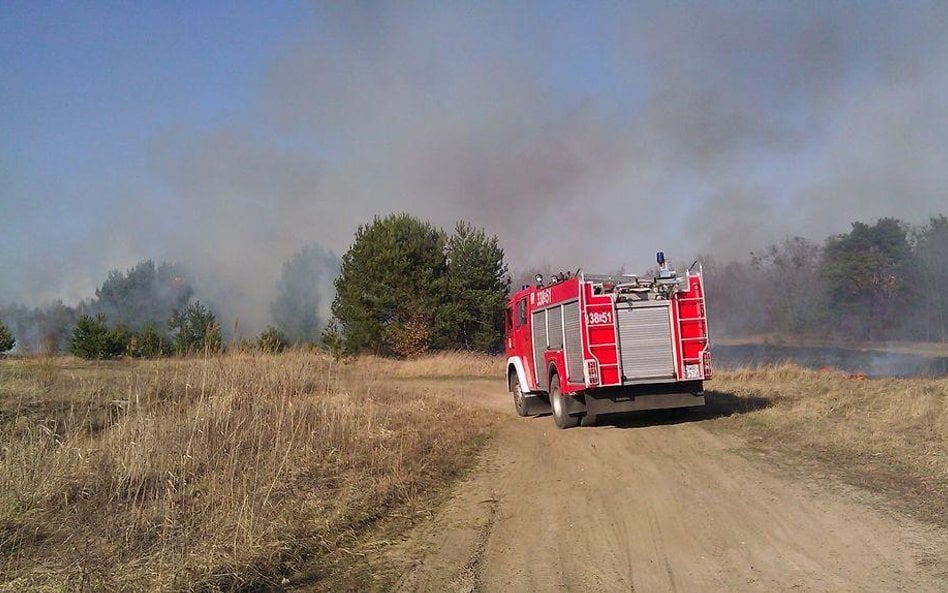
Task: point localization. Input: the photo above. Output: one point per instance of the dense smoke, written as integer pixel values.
(581, 136)
(146, 293)
(304, 294)
(44, 329)
(880, 282)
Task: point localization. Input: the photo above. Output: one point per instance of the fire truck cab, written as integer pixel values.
(586, 345)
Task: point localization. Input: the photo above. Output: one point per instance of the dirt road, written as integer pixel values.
(654, 507)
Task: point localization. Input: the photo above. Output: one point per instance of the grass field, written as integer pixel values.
(935, 349)
(218, 474)
(229, 473)
(889, 436)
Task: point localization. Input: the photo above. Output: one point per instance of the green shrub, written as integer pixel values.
(7, 341)
(150, 343)
(93, 339)
(196, 330)
(272, 340)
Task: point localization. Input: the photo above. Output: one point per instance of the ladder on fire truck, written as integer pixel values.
(694, 307)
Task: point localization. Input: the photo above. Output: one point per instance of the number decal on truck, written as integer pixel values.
(544, 297)
(599, 318)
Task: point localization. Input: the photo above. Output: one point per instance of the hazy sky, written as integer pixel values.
(229, 135)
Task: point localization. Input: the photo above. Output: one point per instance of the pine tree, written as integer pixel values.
(389, 286)
(92, 338)
(195, 330)
(471, 316)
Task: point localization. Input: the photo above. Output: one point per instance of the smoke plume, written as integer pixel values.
(580, 135)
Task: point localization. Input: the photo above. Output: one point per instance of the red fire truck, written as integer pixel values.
(588, 345)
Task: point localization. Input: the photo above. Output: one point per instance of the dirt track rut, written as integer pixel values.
(660, 507)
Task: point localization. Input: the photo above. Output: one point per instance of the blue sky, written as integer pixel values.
(230, 135)
(88, 86)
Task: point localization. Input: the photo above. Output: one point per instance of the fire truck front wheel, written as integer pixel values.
(519, 401)
(558, 402)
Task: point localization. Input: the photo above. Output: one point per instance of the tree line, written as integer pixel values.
(878, 282)
(404, 287)
(147, 311)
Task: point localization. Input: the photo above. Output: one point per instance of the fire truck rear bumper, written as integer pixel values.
(644, 397)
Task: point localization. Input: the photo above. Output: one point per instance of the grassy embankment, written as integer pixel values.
(215, 474)
(889, 436)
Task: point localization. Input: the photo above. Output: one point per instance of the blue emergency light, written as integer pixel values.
(660, 256)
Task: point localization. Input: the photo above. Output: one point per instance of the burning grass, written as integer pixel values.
(887, 435)
(217, 474)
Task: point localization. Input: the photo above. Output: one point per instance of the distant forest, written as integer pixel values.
(150, 310)
(878, 282)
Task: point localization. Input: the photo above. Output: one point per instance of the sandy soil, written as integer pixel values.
(650, 506)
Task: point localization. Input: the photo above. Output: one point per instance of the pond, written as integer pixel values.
(871, 363)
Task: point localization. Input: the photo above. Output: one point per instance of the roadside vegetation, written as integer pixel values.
(222, 473)
(889, 436)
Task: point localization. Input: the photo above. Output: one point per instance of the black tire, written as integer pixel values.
(520, 403)
(558, 403)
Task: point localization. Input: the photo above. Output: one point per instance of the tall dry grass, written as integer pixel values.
(889, 435)
(438, 364)
(216, 474)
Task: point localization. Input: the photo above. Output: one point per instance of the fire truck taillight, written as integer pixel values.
(592, 373)
(707, 364)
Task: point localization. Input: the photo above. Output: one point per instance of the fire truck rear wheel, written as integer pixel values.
(558, 403)
(519, 401)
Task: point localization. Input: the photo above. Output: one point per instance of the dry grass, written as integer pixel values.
(888, 435)
(227, 473)
(934, 349)
(442, 364)
(218, 474)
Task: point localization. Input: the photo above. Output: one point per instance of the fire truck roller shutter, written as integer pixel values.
(539, 345)
(554, 329)
(574, 343)
(645, 341)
